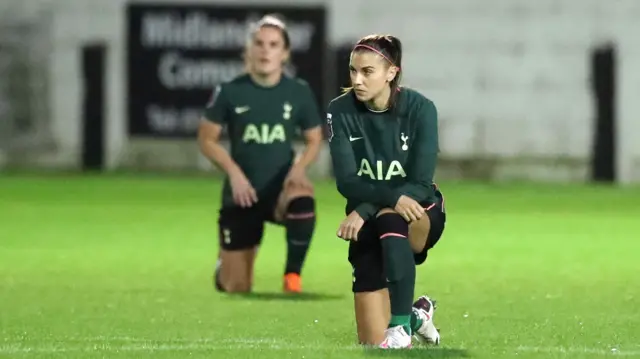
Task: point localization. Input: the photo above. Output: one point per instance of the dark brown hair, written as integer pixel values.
(390, 48)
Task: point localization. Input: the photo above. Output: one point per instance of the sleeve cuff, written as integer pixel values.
(366, 211)
(390, 198)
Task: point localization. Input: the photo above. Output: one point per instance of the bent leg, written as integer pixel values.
(371, 297)
(419, 233)
(427, 231)
(399, 268)
(240, 233)
(372, 316)
(234, 273)
(296, 211)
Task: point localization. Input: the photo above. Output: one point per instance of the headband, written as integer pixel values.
(371, 48)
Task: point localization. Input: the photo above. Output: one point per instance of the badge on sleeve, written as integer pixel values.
(329, 126)
(214, 96)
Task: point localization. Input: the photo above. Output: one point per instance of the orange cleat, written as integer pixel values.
(292, 283)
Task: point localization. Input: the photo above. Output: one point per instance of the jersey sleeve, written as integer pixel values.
(367, 210)
(309, 116)
(217, 107)
(424, 155)
(345, 168)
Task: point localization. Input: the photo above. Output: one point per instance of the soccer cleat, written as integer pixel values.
(396, 338)
(424, 307)
(292, 283)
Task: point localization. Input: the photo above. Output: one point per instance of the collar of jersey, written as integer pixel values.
(257, 85)
(375, 111)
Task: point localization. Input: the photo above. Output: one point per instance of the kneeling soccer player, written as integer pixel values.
(384, 148)
(262, 111)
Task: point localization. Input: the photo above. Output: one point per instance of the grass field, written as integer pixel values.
(120, 266)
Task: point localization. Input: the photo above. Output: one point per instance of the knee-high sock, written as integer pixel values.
(399, 266)
(300, 222)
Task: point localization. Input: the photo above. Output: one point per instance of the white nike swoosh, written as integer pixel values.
(354, 138)
(241, 109)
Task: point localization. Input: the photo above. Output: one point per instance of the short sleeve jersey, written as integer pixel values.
(261, 123)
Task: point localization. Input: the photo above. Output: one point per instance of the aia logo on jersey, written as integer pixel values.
(329, 126)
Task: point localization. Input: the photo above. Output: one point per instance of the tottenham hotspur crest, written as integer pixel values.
(287, 110)
(404, 139)
(329, 126)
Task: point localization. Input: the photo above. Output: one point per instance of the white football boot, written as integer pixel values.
(396, 338)
(424, 307)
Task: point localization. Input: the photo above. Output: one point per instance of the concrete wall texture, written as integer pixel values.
(510, 77)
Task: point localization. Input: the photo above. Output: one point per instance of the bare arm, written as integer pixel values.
(313, 141)
(208, 140)
(310, 124)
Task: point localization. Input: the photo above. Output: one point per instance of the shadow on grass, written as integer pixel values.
(279, 296)
(418, 352)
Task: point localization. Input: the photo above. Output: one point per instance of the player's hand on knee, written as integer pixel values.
(409, 208)
(244, 195)
(350, 227)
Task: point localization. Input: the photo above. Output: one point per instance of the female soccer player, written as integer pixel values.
(384, 146)
(262, 110)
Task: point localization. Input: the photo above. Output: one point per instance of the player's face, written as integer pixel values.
(267, 53)
(370, 74)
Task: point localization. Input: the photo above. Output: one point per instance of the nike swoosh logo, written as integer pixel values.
(354, 138)
(240, 110)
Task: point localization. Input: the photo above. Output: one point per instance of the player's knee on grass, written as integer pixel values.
(237, 287)
(372, 316)
(236, 268)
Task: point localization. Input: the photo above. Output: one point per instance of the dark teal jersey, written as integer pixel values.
(261, 123)
(379, 156)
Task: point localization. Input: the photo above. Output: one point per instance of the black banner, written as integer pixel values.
(178, 53)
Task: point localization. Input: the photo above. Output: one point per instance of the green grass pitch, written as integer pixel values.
(119, 266)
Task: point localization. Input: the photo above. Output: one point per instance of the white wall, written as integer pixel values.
(509, 76)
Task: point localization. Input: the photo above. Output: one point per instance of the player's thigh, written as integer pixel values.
(240, 234)
(419, 233)
(372, 311)
(425, 235)
(369, 286)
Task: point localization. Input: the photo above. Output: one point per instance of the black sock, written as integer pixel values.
(300, 221)
(399, 265)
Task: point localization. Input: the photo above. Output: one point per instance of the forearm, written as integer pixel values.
(356, 189)
(416, 191)
(219, 156)
(309, 154)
